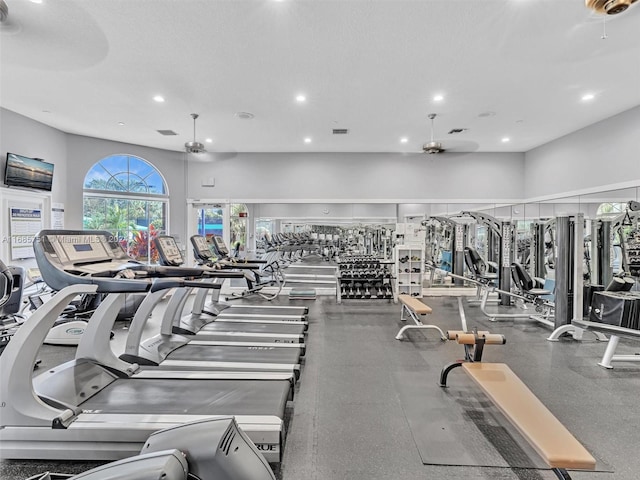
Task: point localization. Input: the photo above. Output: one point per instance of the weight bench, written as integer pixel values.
(415, 309)
(553, 442)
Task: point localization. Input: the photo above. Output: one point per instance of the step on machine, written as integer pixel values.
(156, 345)
(267, 274)
(210, 449)
(205, 257)
(204, 325)
(86, 410)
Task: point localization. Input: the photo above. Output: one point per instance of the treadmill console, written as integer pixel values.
(219, 246)
(201, 248)
(6, 283)
(168, 251)
(85, 252)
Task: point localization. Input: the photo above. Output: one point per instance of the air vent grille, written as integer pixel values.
(455, 131)
(166, 132)
(340, 131)
(227, 440)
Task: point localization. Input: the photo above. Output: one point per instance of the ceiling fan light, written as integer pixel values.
(433, 147)
(194, 146)
(609, 7)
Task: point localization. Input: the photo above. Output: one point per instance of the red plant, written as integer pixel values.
(142, 239)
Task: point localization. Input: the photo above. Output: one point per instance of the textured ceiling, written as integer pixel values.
(370, 66)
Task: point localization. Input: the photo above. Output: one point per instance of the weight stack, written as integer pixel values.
(621, 309)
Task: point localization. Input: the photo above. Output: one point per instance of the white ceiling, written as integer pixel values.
(372, 66)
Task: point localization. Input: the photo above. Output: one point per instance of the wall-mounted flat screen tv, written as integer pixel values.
(28, 172)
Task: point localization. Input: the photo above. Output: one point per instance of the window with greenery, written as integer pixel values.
(238, 224)
(127, 196)
(610, 208)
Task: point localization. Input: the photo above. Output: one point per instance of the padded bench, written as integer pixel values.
(415, 309)
(553, 442)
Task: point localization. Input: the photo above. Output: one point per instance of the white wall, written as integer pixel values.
(84, 152)
(322, 212)
(21, 135)
(602, 154)
(359, 177)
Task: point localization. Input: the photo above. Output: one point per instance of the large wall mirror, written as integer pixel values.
(356, 224)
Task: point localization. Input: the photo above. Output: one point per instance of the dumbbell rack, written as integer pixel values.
(364, 277)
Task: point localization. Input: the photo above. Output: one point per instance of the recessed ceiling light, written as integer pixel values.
(46, 111)
(307, 140)
(209, 140)
(404, 140)
(505, 139)
(301, 99)
(245, 115)
(121, 123)
(36, 1)
(438, 98)
(487, 114)
(587, 97)
(158, 98)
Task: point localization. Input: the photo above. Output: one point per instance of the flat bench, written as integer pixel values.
(414, 307)
(553, 442)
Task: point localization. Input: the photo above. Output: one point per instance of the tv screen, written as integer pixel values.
(28, 172)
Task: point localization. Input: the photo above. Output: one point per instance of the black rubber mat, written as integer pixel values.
(192, 397)
(459, 426)
(248, 354)
(284, 328)
(250, 311)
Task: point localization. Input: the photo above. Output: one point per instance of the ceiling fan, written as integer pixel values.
(609, 7)
(453, 145)
(194, 146)
(432, 147)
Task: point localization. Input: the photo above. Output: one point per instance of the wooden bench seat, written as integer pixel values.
(555, 444)
(415, 308)
(415, 304)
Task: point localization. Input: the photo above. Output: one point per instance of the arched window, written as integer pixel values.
(127, 196)
(605, 209)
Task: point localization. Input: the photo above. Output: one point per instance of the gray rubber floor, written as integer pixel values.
(351, 415)
(360, 388)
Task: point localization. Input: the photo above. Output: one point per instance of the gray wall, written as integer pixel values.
(21, 135)
(359, 176)
(84, 152)
(606, 153)
(602, 154)
(325, 211)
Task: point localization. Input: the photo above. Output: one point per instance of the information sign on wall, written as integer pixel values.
(459, 237)
(25, 223)
(57, 216)
(507, 238)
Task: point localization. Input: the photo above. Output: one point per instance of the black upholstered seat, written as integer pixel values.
(525, 283)
(478, 267)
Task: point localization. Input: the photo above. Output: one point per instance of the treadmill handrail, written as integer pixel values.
(21, 406)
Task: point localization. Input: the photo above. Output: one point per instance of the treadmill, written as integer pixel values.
(215, 254)
(203, 325)
(65, 257)
(211, 449)
(87, 411)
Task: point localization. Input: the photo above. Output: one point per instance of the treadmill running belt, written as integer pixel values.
(193, 397)
(249, 311)
(285, 328)
(241, 354)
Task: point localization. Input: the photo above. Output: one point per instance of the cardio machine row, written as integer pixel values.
(215, 361)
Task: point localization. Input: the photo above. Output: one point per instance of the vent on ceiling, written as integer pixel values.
(166, 132)
(453, 131)
(340, 131)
